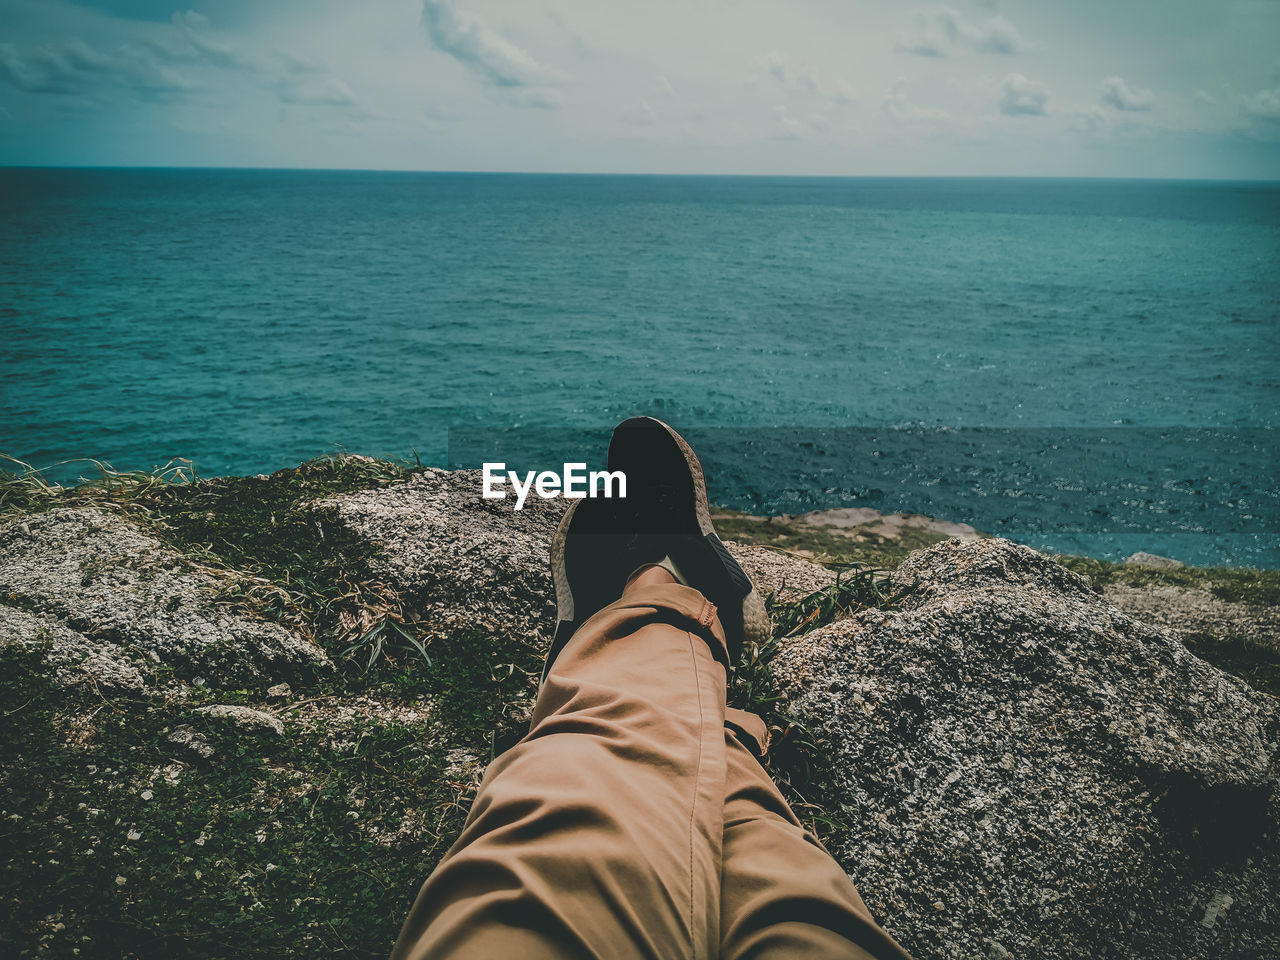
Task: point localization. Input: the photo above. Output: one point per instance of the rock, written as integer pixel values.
(461, 563)
(1058, 774)
(891, 525)
(72, 658)
(193, 743)
(245, 719)
(1220, 903)
(1025, 770)
(1154, 561)
(1194, 611)
(116, 601)
(785, 575)
(464, 563)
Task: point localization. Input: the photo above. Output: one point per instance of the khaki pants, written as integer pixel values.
(633, 820)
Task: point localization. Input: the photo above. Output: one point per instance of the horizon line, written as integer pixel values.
(610, 173)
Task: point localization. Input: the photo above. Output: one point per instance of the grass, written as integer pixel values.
(824, 544)
(275, 555)
(313, 844)
(252, 853)
(1233, 584)
(307, 845)
(255, 852)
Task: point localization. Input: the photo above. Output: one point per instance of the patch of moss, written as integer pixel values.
(310, 845)
(824, 544)
(1257, 664)
(1234, 584)
(276, 554)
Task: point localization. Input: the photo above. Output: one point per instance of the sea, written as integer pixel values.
(1088, 366)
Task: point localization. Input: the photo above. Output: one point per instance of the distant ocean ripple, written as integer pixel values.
(253, 319)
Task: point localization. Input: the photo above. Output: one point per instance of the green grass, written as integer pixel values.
(274, 555)
(255, 851)
(824, 544)
(252, 853)
(1234, 584)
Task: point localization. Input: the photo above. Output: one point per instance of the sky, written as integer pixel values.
(1111, 88)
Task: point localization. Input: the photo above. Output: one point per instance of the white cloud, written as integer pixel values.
(469, 41)
(322, 92)
(194, 27)
(1116, 93)
(1022, 97)
(946, 31)
(897, 105)
(805, 79)
(1264, 105)
(75, 68)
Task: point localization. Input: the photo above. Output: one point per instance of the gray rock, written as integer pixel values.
(1063, 778)
(72, 658)
(136, 601)
(783, 574)
(462, 563)
(1153, 560)
(1220, 903)
(245, 719)
(1026, 771)
(190, 742)
(279, 691)
(466, 563)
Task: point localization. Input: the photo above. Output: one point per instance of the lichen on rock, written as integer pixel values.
(1057, 774)
(115, 599)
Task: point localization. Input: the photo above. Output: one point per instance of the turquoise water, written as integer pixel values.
(252, 319)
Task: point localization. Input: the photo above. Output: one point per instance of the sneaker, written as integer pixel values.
(592, 554)
(667, 499)
(664, 517)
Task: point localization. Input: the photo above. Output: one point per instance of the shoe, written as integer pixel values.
(593, 551)
(667, 500)
(664, 517)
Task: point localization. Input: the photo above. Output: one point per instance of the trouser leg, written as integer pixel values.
(599, 833)
(782, 894)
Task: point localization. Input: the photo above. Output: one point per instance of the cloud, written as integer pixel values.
(946, 31)
(791, 127)
(1264, 105)
(75, 68)
(1022, 97)
(536, 99)
(1116, 93)
(155, 65)
(325, 92)
(193, 26)
(794, 77)
(476, 47)
(897, 105)
(1206, 98)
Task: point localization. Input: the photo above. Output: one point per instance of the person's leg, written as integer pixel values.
(782, 895)
(598, 835)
